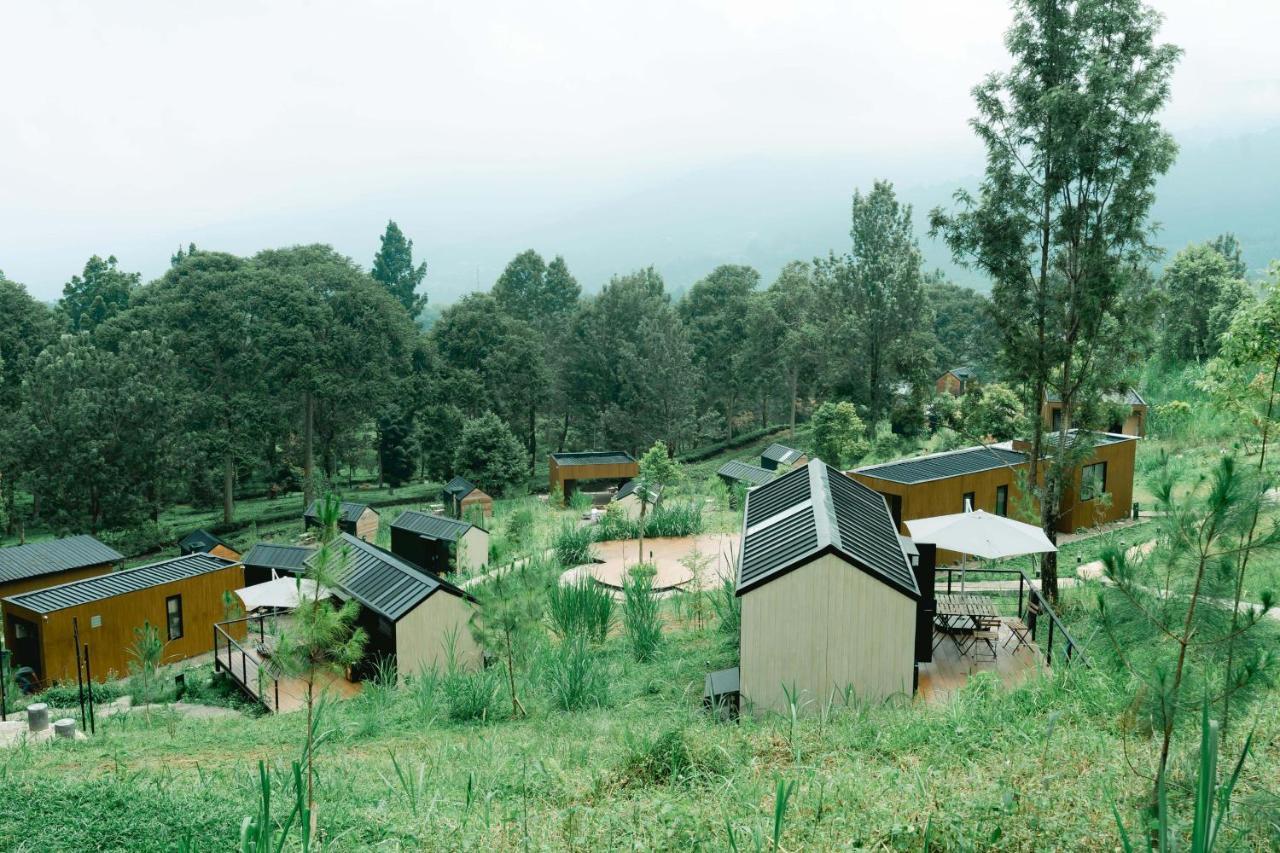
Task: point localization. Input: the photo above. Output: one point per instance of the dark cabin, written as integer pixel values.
(734, 472)
(266, 561)
(460, 495)
(439, 544)
(355, 518)
(780, 457)
(204, 542)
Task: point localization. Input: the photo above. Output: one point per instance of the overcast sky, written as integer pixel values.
(133, 127)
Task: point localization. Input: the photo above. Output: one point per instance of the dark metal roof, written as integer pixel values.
(1081, 436)
(284, 558)
(939, 466)
(384, 583)
(432, 526)
(200, 542)
(781, 453)
(459, 487)
(963, 372)
(594, 457)
(119, 583)
(1129, 397)
(348, 511)
(630, 487)
(816, 510)
(745, 473)
(54, 555)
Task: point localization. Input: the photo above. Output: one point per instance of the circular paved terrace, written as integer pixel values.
(618, 556)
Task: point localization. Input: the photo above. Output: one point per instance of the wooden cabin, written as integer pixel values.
(355, 518)
(204, 542)
(460, 496)
(566, 470)
(412, 616)
(734, 473)
(267, 561)
(830, 602)
(779, 457)
(1130, 402)
(957, 381)
(626, 500)
(438, 544)
(52, 562)
(182, 598)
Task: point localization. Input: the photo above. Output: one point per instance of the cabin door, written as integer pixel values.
(26, 646)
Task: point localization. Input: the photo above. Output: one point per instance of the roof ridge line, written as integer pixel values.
(824, 509)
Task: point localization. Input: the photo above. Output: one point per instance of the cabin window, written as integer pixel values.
(1093, 480)
(967, 503)
(173, 613)
(95, 621)
(1002, 500)
(1057, 420)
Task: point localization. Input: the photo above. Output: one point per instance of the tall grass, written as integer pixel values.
(728, 608)
(582, 608)
(577, 680)
(683, 518)
(640, 613)
(573, 545)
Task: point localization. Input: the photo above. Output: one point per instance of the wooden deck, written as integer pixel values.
(949, 671)
(244, 663)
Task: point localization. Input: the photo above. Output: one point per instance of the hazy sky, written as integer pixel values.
(133, 127)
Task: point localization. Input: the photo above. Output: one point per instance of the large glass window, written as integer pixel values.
(173, 613)
(1093, 480)
(967, 503)
(1002, 500)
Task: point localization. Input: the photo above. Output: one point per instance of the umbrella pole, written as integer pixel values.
(963, 564)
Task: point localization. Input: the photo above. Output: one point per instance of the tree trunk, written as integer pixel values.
(794, 379)
(308, 449)
(228, 486)
(564, 431)
(644, 504)
(533, 438)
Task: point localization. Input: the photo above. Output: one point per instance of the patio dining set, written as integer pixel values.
(972, 623)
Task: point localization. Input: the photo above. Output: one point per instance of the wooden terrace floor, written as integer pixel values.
(949, 671)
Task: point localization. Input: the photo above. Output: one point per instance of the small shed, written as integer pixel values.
(830, 601)
(1132, 419)
(734, 472)
(182, 598)
(439, 544)
(412, 616)
(460, 495)
(204, 542)
(354, 518)
(627, 499)
(54, 561)
(267, 560)
(566, 470)
(957, 381)
(780, 457)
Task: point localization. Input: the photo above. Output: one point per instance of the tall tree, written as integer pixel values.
(715, 313)
(393, 268)
(785, 331)
(1073, 151)
(1201, 293)
(489, 455)
(542, 295)
(27, 328)
(962, 324)
(99, 294)
(1229, 247)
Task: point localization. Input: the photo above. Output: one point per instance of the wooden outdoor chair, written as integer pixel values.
(985, 637)
(1020, 631)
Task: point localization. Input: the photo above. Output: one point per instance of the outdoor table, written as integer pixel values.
(964, 612)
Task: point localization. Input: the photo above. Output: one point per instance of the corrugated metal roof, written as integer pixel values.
(594, 457)
(1128, 397)
(939, 466)
(54, 555)
(459, 487)
(965, 372)
(781, 453)
(630, 487)
(383, 582)
(348, 511)
(284, 558)
(200, 542)
(432, 526)
(745, 473)
(119, 583)
(815, 510)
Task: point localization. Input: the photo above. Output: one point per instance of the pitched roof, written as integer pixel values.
(745, 473)
(432, 526)
(54, 555)
(781, 453)
(119, 583)
(939, 466)
(385, 583)
(594, 457)
(348, 511)
(1128, 397)
(199, 542)
(631, 486)
(285, 558)
(965, 372)
(816, 510)
(459, 487)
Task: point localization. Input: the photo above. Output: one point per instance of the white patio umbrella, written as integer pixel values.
(981, 534)
(281, 593)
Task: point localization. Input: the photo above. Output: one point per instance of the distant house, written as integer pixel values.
(54, 561)
(439, 544)
(957, 381)
(357, 519)
(182, 598)
(413, 617)
(627, 499)
(734, 472)
(460, 495)
(266, 561)
(779, 456)
(830, 601)
(1134, 420)
(566, 470)
(204, 542)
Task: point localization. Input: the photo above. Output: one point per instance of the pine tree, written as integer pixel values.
(393, 267)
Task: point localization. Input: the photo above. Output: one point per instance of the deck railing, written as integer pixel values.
(248, 670)
(1028, 589)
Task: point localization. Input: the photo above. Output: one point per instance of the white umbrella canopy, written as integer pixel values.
(981, 534)
(282, 592)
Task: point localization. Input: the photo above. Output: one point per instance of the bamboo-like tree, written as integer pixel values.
(657, 472)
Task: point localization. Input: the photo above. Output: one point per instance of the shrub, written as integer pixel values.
(665, 760)
(576, 678)
(675, 519)
(469, 694)
(640, 613)
(728, 608)
(573, 545)
(489, 455)
(581, 609)
(580, 502)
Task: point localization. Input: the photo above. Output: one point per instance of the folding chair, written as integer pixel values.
(984, 636)
(1020, 631)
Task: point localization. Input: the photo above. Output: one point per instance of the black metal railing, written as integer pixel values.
(1029, 590)
(247, 669)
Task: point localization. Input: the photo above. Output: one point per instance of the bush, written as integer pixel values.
(469, 694)
(640, 613)
(580, 609)
(576, 679)
(65, 694)
(664, 760)
(573, 545)
(490, 455)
